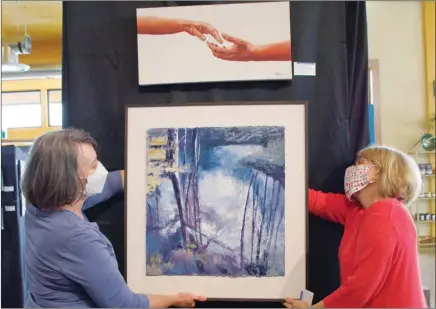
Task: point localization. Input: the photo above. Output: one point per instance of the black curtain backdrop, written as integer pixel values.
(100, 76)
(13, 268)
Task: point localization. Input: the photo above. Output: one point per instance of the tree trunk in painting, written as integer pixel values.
(262, 221)
(191, 200)
(157, 196)
(253, 178)
(175, 183)
(271, 220)
(253, 224)
(195, 200)
(170, 158)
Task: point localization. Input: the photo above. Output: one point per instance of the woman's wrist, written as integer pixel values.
(319, 305)
(256, 52)
(172, 300)
(280, 51)
(162, 301)
(184, 25)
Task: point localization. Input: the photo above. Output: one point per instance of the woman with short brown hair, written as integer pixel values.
(70, 262)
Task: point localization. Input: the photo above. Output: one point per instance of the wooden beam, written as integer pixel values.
(44, 53)
(429, 10)
(43, 20)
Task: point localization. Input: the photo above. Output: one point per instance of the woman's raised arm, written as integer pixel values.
(330, 206)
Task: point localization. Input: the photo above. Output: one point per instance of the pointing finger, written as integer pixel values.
(198, 34)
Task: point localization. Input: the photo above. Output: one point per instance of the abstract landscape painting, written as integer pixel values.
(215, 201)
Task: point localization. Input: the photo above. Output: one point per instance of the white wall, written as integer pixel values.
(395, 39)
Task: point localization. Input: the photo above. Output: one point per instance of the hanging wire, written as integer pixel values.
(25, 20)
(20, 17)
(17, 18)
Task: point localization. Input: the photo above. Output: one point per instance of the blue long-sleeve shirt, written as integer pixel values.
(71, 264)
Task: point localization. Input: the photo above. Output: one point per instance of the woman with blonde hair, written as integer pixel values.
(378, 254)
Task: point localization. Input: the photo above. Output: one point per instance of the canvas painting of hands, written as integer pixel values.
(214, 43)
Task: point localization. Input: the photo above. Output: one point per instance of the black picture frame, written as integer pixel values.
(220, 301)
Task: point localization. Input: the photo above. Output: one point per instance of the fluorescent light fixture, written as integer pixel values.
(14, 67)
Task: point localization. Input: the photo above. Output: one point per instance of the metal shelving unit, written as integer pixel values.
(423, 209)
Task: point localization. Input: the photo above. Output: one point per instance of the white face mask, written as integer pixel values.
(96, 180)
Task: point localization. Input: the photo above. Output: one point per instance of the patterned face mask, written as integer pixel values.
(356, 178)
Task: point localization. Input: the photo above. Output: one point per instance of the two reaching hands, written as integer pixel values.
(241, 50)
(201, 29)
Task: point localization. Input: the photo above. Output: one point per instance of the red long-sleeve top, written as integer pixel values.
(378, 254)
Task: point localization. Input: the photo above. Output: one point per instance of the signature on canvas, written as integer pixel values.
(215, 201)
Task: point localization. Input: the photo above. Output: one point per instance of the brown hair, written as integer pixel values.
(51, 176)
(399, 173)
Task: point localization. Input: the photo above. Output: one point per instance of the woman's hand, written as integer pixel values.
(295, 303)
(241, 50)
(186, 300)
(200, 29)
(161, 26)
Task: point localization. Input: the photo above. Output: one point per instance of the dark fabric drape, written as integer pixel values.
(100, 76)
(13, 268)
(324, 236)
(357, 62)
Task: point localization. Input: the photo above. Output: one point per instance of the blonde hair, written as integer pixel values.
(399, 173)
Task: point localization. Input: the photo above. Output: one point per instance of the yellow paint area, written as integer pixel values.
(156, 154)
(158, 141)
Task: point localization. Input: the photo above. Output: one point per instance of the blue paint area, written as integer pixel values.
(218, 206)
(371, 118)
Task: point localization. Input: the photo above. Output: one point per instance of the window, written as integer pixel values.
(55, 108)
(21, 110)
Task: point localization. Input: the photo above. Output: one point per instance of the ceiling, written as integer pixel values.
(44, 25)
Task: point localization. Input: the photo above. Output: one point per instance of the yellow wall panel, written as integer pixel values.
(429, 11)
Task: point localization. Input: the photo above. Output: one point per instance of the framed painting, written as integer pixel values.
(216, 199)
(214, 43)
